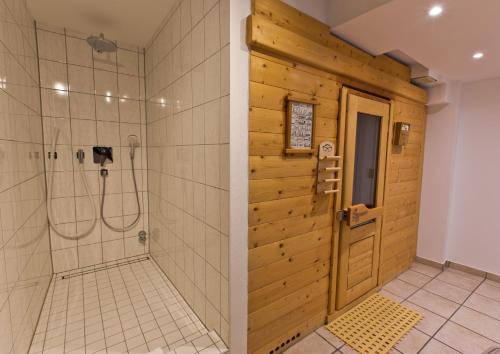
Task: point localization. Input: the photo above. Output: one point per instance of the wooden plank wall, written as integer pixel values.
(292, 19)
(264, 35)
(291, 250)
(402, 194)
(290, 227)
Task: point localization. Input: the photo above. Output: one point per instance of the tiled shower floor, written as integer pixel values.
(120, 307)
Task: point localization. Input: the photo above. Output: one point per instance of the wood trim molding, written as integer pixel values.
(262, 34)
(286, 16)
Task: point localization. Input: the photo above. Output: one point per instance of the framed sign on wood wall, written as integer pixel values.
(300, 116)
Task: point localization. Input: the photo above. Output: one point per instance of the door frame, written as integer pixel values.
(337, 205)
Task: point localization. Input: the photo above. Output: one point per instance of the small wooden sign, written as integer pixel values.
(326, 150)
(300, 126)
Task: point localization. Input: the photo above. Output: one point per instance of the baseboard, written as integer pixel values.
(465, 269)
(460, 267)
(493, 277)
(430, 263)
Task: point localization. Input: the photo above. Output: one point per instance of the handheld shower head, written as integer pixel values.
(133, 143)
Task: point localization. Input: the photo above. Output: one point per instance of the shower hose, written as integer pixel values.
(104, 174)
(50, 210)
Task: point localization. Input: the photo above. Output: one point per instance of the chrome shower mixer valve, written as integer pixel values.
(102, 155)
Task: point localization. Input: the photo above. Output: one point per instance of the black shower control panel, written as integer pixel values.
(102, 154)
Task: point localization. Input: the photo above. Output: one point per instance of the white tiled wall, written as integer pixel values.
(187, 87)
(25, 264)
(94, 99)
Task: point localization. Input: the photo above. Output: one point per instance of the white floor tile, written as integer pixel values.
(126, 307)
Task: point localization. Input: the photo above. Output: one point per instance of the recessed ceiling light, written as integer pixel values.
(435, 11)
(478, 55)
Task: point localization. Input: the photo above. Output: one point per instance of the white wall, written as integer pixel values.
(238, 196)
(317, 8)
(335, 12)
(474, 233)
(459, 218)
(341, 11)
(439, 157)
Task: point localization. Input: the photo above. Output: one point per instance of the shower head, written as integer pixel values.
(133, 143)
(101, 44)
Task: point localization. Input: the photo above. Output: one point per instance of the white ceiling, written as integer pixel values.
(127, 21)
(444, 44)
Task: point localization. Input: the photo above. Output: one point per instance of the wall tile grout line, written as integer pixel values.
(25, 249)
(192, 59)
(70, 148)
(84, 251)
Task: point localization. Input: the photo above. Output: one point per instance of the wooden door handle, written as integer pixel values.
(359, 213)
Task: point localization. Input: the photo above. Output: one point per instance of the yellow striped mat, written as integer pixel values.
(375, 325)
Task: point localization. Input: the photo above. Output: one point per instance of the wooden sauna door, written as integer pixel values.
(365, 152)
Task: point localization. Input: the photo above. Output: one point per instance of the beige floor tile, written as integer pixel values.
(391, 296)
(467, 275)
(492, 283)
(347, 350)
(434, 303)
(436, 347)
(312, 344)
(415, 278)
(412, 342)
(484, 305)
(330, 337)
(478, 322)
(462, 280)
(470, 331)
(430, 323)
(488, 290)
(425, 269)
(448, 291)
(400, 288)
(462, 339)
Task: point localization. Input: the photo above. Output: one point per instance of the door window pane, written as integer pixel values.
(366, 159)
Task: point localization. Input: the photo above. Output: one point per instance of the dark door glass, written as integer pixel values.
(366, 159)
